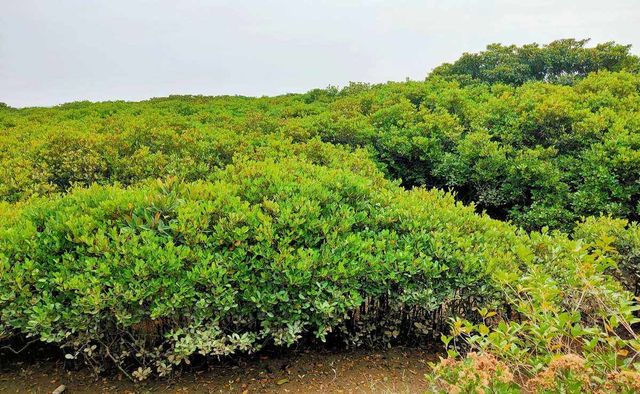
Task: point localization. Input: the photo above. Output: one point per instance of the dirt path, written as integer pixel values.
(398, 370)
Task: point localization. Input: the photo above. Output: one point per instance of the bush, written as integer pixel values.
(140, 235)
(538, 153)
(263, 252)
(561, 61)
(266, 252)
(624, 240)
(567, 325)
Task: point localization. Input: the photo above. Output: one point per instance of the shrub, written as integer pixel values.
(624, 240)
(536, 152)
(481, 373)
(263, 252)
(139, 235)
(561, 61)
(567, 326)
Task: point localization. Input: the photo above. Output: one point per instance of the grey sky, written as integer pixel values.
(55, 51)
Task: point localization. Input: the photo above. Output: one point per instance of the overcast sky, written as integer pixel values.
(55, 51)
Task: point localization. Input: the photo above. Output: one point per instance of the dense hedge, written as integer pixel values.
(263, 252)
(561, 61)
(540, 154)
(141, 234)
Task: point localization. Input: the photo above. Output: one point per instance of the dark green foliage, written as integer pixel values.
(140, 234)
(562, 61)
(540, 154)
(262, 252)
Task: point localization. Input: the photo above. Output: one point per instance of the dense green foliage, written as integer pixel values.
(540, 154)
(624, 238)
(569, 328)
(141, 234)
(261, 252)
(562, 61)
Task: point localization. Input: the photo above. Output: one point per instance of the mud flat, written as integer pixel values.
(396, 370)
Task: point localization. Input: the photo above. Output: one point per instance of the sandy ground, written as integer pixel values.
(397, 370)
